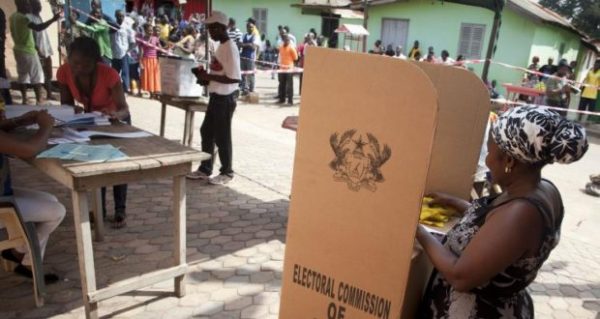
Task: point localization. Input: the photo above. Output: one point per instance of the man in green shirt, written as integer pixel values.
(99, 31)
(29, 68)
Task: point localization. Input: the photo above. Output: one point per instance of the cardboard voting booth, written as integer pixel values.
(464, 107)
(176, 77)
(368, 130)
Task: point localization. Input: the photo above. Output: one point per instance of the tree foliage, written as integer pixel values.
(583, 14)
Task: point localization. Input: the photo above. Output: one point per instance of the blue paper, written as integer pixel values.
(84, 153)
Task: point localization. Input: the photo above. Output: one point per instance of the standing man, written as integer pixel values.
(43, 46)
(549, 68)
(250, 44)
(4, 92)
(123, 41)
(222, 80)
(287, 57)
(590, 91)
(415, 52)
(29, 68)
(233, 32)
(99, 31)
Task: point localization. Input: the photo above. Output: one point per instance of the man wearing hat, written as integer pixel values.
(222, 80)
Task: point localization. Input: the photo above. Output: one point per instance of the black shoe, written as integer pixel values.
(25, 272)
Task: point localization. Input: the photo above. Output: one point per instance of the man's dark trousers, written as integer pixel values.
(216, 129)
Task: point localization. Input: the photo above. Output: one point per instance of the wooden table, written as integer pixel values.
(189, 105)
(513, 92)
(149, 158)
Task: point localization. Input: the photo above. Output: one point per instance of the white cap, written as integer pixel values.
(217, 17)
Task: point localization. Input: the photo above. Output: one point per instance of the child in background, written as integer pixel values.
(150, 71)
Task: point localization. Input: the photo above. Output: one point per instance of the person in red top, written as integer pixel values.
(97, 88)
(287, 57)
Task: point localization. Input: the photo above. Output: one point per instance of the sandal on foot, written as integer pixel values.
(25, 272)
(592, 189)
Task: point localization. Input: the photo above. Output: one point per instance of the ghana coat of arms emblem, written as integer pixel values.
(358, 159)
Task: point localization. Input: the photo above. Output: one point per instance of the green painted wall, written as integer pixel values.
(280, 12)
(438, 24)
(548, 40)
(433, 23)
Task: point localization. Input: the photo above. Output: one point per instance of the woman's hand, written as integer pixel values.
(44, 120)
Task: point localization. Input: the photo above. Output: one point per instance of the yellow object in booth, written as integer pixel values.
(434, 215)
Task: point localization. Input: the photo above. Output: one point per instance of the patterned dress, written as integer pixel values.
(504, 296)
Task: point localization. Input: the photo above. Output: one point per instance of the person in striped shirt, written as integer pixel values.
(234, 33)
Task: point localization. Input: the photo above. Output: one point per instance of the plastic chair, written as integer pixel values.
(22, 234)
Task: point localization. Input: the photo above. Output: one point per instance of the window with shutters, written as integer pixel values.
(260, 15)
(470, 44)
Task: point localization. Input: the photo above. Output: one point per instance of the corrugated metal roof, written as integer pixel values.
(353, 29)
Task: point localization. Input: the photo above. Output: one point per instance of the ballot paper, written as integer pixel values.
(84, 153)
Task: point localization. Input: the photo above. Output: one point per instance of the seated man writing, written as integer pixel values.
(41, 208)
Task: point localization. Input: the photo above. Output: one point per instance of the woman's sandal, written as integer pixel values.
(119, 221)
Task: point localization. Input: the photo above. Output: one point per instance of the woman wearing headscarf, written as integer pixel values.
(485, 263)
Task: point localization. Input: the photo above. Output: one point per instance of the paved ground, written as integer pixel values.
(236, 235)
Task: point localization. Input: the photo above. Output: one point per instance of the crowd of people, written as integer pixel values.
(416, 54)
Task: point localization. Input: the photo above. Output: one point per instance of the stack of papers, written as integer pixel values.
(84, 153)
(94, 118)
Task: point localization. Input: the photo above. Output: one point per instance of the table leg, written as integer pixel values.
(186, 127)
(163, 116)
(191, 132)
(179, 219)
(98, 216)
(85, 251)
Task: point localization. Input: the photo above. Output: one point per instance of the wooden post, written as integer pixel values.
(365, 23)
(85, 251)
(163, 116)
(179, 235)
(491, 45)
(98, 215)
(191, 132)
(185, 127)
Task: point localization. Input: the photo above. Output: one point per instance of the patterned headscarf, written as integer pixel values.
(537, 135)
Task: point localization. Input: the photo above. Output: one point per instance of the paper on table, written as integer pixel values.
(94, 118)
(63, 114)
(84, 153)
(136, 134)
